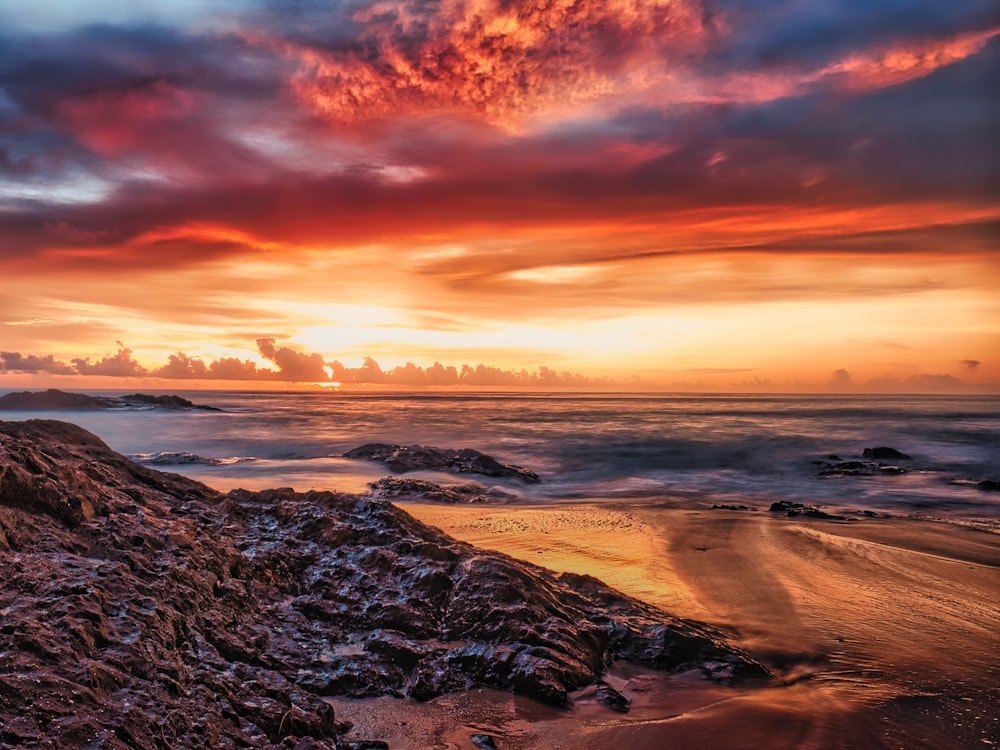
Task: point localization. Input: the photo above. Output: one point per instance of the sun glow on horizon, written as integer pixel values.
(506, 192)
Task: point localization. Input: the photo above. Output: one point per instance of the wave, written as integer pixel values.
(183, 458)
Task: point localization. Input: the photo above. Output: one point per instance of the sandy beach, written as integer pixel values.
(881, 633)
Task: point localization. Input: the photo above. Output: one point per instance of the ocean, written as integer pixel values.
(672, 450)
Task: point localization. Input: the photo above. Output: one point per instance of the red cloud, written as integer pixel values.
(493, 60)
(119, 121)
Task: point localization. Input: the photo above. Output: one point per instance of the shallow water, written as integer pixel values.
(688, 450)
(880, 633)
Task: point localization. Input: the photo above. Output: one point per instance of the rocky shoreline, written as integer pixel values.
(145, 610)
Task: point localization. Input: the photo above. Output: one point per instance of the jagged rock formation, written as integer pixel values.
(145, 610)
(56, 400)
(404, 458)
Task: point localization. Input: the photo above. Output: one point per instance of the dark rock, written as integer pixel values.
(404, 458)
(989, 485)
(150, 610)
(163, 402)
(51, 399)
(612, 698)
(56, 400)
(798, 509)
(732, 507)
(394, 488)
(883, 452)
(483, 741)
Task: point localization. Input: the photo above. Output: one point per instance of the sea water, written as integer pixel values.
(678, 450)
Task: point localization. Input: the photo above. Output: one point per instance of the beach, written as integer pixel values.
(881, 633)
(873, 605)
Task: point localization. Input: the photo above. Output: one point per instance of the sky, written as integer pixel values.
(709, 195)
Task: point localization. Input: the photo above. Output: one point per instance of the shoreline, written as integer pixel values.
(878, 632)
(860, 621)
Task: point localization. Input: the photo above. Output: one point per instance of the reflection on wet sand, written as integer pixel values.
(881, 633)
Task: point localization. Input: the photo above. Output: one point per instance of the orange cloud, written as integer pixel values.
(510, 63)
(866, 70)
(904, 62)
(501, 62)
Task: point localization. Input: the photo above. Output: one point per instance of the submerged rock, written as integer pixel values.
(162, 402)
(145, 610)
(858, 469)
(870, 464)
(183, 458)
(799, 509)
(404, 458)
(56, 400)
(612, 698)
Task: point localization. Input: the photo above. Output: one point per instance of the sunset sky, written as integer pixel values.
(698, 195)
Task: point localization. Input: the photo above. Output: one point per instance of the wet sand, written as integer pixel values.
(881, 633)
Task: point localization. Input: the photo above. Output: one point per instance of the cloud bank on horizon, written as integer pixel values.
(293, 366)
(635, 186)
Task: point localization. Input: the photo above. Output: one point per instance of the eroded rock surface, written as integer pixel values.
(145, 610)
(404, 458)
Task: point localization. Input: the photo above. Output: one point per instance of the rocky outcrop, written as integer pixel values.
(51, 399)
(404, 458)
(145, 610)
(140, 400)
(56, 400)
(871, 464)
(394, 488)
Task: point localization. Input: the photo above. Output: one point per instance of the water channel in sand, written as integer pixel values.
(882, 633)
